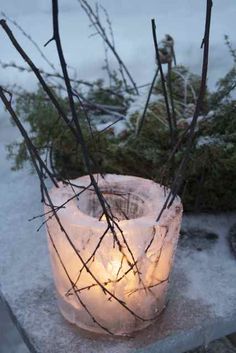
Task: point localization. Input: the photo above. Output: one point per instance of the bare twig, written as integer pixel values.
(57, 75)
(74, 288)
(112, 228)
(50, 204)
(30, 145)
(38, 75)
(76, 130)
(107, 109)
(79, 134)
(179, 174)
(30, 39)
(169, 85)
(163, 82)
(95, 21)
(147, 102)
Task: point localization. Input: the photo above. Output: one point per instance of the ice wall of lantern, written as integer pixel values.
(135, 203)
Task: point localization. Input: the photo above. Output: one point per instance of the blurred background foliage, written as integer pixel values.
(210, 179)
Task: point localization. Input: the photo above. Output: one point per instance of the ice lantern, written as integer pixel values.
(112, 282)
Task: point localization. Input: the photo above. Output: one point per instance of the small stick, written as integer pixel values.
(163, 82)
(179, 175)
(147, 102)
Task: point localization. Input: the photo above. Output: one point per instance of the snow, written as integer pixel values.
(200, 118)
(202, 297)
(117, 128)
(209, 140)
(132, 29)
(218, 272)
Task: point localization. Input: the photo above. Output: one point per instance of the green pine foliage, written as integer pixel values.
(211, 173)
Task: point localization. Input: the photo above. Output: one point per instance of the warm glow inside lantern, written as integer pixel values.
(112, 279)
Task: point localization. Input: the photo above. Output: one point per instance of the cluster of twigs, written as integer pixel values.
(56, 79)
(42, 170)
(94, 17)
(73, 123)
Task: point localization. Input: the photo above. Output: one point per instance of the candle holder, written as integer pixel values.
(112, 279)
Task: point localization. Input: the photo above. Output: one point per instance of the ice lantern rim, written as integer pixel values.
(154, 200)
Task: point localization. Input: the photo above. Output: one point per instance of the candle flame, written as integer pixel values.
(114, 267)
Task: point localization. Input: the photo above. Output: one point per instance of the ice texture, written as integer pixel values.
(123, 286)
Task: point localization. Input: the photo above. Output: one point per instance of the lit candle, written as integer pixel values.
(113, 281)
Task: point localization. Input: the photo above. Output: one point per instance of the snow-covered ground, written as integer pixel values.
(208, 277)
(183, 19)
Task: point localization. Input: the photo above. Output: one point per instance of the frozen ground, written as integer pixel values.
(10, 340)
(26, 281)
(131, 22)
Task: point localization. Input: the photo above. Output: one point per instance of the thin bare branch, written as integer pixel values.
(28, 141)
(163, 82)
(95, 21)
(147, 102)
(30, 39)
(178, 180)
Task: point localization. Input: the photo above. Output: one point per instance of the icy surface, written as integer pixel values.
(10, 340)
(135, 203)
(202, 303)
(132, 29)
